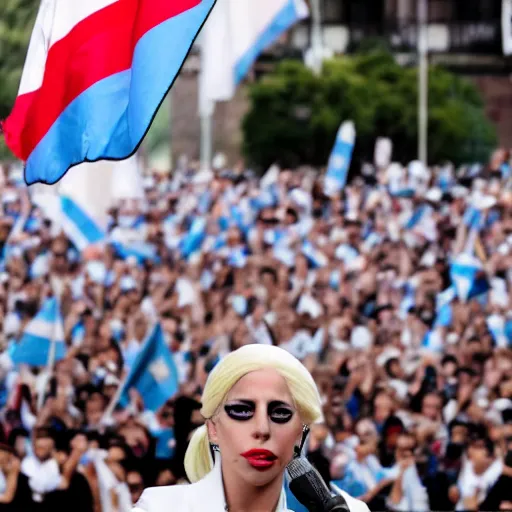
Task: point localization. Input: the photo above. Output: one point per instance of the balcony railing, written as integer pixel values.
(479, 37)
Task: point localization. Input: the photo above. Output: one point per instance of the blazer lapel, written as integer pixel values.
(209, 492)
(209, 495)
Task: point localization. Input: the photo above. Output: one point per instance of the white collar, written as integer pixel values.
(212, 487)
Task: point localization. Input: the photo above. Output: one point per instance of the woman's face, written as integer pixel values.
(258, 414)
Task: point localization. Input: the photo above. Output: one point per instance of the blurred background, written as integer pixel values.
(349, 201)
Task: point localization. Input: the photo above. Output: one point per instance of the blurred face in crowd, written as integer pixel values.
(258, 414)
(405, 447)
(44, 448)
(140, 328)
(259, 312)
(480, 455)
(59, 257)
(448, 369)
(167, 415)
(135, 485)
(165, 477)
(383, 407)
(459, 434)
(116, 454)
(135, 437)
(432, 407)
(94, 408)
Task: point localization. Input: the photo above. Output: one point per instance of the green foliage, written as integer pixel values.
(16, 23)
(295, 115)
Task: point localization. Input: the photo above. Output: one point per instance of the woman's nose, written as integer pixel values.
(261, 426)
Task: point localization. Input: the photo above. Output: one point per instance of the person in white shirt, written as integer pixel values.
(407, 492)
(42, 468)
(479, 473)
(259, 330)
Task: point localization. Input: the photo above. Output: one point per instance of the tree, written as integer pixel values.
(295, 115)
(16, 23)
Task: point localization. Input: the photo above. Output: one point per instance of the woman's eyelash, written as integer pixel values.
(281, 415)
(244, 412)
(239, 411)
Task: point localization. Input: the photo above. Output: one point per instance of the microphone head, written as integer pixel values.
(306, 481)
(298, 467)
(310, 489)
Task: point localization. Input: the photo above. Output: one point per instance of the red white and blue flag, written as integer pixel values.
(95, 74)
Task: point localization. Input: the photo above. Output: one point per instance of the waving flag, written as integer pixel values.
(237, 33)
(468, 277)
(78, 225)
(153, 374)
(341, 157)
(35, 345)
(95, 74)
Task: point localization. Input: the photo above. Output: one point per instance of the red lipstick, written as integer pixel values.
(260, 459)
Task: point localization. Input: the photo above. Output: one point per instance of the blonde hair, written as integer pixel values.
(247, 359)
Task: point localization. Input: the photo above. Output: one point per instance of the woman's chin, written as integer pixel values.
(258, 478)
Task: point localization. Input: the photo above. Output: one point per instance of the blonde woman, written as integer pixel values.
(256, 403)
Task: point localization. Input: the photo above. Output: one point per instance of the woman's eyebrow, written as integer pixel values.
(271, 403)
(279, 403)
(242, 401)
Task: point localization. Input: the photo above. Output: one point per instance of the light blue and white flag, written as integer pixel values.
(468, 277)
(409, 300)
(46, 329)
(79, 225)
(234, 36)
(315, 257)
(238, 257)
(444, 313)
(193, 240)
(473, 218)
(418, 215)
(141, 251)
(341, 158)
(153, 374)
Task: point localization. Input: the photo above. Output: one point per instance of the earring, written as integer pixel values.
(215, 447)
(298, 449)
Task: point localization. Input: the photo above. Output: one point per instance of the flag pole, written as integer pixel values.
(206, 110)
(316, 36)
(51, 359)
(115, 399)
(423, 80)
(122, 385)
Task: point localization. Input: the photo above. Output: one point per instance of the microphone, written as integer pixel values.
(309, 488)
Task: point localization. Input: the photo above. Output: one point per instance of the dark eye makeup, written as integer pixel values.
(243, 410)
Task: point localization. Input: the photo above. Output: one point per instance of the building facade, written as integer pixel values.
(464, 35)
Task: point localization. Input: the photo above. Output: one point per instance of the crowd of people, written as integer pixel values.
(395, 293)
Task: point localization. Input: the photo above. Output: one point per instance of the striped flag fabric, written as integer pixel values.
(194, 239)
(78, 225)
(95, 74)
(237, 32)
(153, 374)
(418, 215)
(341, 157)
(315, 257)
(46, 328)
(468, 277)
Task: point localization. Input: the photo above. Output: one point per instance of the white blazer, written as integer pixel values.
(207, 495)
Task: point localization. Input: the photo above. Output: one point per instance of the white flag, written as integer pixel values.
(236, 33)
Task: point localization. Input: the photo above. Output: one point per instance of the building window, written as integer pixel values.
(441, 11)
(353, 12)
(332, 11)
(478, 10)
